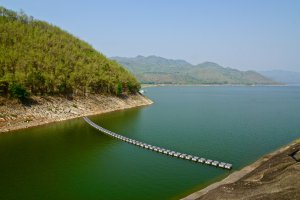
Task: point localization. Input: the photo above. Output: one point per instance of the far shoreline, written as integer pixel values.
(212, 85)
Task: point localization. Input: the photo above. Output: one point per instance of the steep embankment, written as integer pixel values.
(273, 177)
(47, 74)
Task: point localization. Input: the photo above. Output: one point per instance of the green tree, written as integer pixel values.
(119, 89)
(18, 91)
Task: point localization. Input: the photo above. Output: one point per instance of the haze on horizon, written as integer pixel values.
(257, 35)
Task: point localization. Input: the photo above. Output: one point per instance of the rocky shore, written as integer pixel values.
(42, 110)
(273, 177)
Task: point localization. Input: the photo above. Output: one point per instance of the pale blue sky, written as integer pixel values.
(243, 34)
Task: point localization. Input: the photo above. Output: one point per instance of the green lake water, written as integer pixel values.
(71, 160)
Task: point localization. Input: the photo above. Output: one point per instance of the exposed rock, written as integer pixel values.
(273, 177)
(297, 156)
(51, 109)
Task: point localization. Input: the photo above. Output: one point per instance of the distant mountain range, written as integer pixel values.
(158, 70)
(287, 77)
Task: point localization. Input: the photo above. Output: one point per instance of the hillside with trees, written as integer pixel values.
(41, 59)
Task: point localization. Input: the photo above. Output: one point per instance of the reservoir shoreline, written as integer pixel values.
(249, 182)
(44, 110)
(210, 85)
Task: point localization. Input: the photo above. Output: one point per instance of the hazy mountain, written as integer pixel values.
(153, 69)
(283, 76)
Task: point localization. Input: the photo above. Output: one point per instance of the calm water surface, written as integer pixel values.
(71, 160)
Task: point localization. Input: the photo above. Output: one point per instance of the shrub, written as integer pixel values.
(18, 91)
(3, 88)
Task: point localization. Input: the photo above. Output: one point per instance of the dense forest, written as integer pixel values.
(41, 59)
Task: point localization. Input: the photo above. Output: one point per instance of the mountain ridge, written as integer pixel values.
(158, 70)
